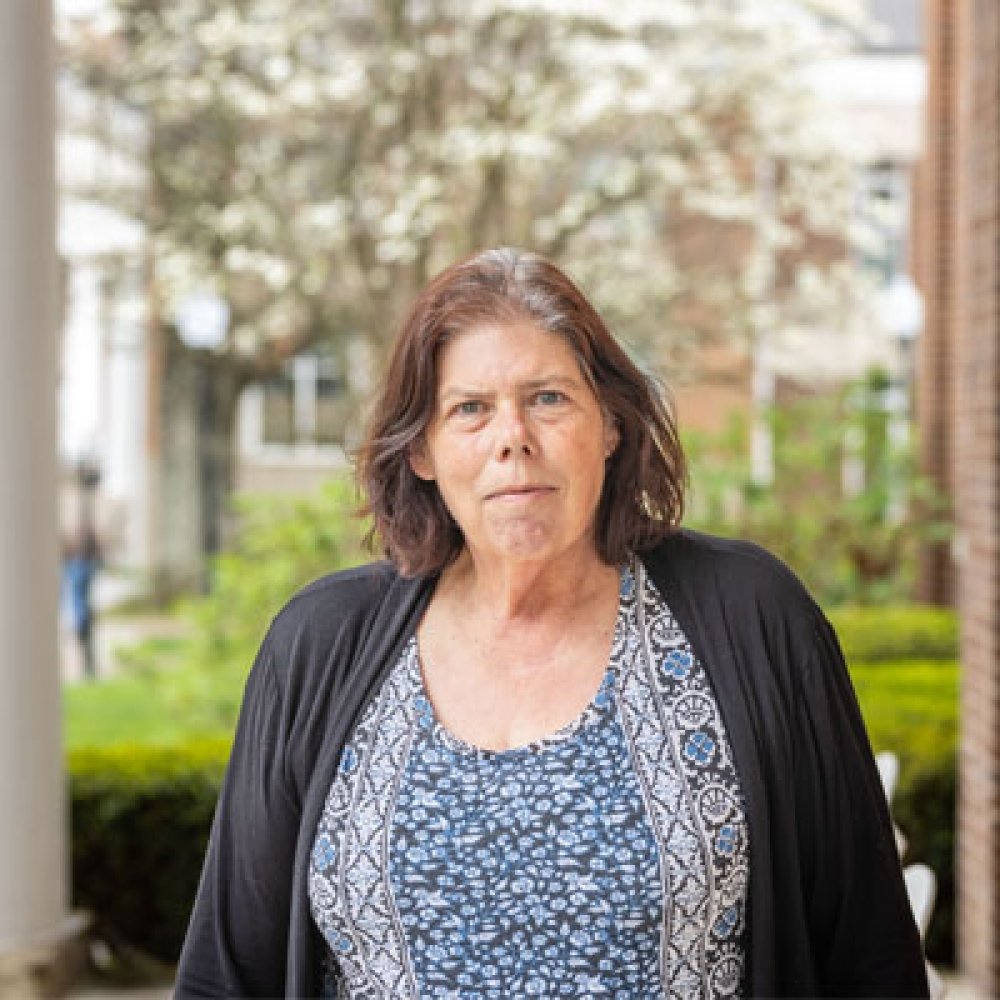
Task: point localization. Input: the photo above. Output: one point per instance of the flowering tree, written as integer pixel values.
(314, 163)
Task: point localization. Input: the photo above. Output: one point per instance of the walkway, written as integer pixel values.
(113, 629)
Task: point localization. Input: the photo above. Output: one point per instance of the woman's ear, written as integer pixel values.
(420, 461)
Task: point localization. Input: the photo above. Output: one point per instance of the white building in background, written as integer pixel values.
(876, 94)
(104, 372)
(874, 98)
(104, 366)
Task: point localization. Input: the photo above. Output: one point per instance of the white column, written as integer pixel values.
(33, 867)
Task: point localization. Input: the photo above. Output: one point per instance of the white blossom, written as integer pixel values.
(339, 155)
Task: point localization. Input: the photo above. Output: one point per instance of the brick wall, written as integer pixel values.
(977, 478)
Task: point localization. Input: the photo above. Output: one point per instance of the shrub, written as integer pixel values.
(846, 506)
(925, 809)
(895, 632)
(912, 710)
(140, 819)
(283, 543)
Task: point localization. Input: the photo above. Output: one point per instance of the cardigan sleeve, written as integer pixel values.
(861, 926)
(237, 936)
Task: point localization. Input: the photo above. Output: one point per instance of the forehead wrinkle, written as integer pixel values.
(464, 368)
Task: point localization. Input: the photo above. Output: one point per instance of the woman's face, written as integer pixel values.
(517, 443)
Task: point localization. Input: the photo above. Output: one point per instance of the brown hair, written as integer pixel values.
(643, 495)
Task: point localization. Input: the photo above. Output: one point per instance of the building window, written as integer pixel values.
(303, 405)
(883, 214)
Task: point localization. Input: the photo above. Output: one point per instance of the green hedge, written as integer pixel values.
(896, 632)
(912, 710)
(140, 819)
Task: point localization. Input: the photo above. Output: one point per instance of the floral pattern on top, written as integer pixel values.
(609, 859)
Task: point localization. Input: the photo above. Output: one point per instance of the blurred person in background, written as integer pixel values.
(81, 559)
(555, 745)
(82, 555)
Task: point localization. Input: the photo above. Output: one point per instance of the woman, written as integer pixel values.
(555, 746)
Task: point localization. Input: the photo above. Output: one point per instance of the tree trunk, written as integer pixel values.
(196, 476)
(219, 392)
(178, 563)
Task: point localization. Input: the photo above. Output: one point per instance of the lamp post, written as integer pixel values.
(88, 478)
(202, 321)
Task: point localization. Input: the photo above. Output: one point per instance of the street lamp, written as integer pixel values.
(901, 310)
(202, 320)
(88, 478)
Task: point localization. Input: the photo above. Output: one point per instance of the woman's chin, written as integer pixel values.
(529, 543)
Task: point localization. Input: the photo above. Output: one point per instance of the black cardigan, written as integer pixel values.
(828, 913)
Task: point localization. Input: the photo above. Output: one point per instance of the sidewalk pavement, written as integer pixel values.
(112, 632)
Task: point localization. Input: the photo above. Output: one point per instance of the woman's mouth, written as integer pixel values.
(516, 494)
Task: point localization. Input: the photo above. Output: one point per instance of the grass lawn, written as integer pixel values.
(126, 710)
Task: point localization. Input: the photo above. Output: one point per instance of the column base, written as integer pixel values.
(47, 967)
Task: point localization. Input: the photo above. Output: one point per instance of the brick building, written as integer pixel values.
(959, 408)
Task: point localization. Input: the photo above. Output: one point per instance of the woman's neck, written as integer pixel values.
(519, 591)
(510, 653)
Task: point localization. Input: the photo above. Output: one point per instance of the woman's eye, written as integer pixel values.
(469, 408)
(549, 397)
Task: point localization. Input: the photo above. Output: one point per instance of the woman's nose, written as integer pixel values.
(513, 437)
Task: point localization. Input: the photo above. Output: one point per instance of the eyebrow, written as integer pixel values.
(535, 383)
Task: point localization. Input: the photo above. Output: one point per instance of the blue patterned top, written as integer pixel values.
(608, 859)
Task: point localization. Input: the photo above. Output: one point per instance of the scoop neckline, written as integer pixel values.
(589, 714)
(594, 708)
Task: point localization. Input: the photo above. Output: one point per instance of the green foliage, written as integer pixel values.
(911, 709)
(125, 709)
(140, 817)
(856, 550)
(876, 634)
(283, 543)
(856, 544)
(925, 808)
(140, 707)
